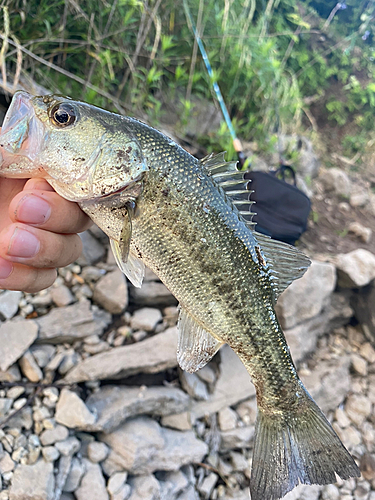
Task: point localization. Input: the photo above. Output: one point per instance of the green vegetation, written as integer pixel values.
(278, 62)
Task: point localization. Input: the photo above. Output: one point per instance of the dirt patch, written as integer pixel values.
(328, 230)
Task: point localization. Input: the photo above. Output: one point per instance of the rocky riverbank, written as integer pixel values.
(93, 405)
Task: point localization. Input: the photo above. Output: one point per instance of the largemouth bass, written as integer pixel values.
(189, 221)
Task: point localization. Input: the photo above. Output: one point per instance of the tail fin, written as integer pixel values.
(291, 449)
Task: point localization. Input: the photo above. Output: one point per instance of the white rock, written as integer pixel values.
(72, 412)
(61, 295)
(16, 336)
(92, 484)
(233, 385)
(150, 356)
(42, 353)
(241, 437)
(366, 351)
(358, 408)
(116, 482)
(193, 385)
(356, 268)
(9, 303)
(33, 482)
(362, 232)
(145, 319)
(97, 452)
(208, 485)
(145, 488)
(179, 421)
(51, 436)
(306, 297)
(359, 365)
(336, 180)
(142, 446)
(111, 292)
(74, 477)
(50, 453)
(6, 463)
(76, 321)
(68, 446)
(330, 492)
(114, 404)
(30, 368)
(227, 419)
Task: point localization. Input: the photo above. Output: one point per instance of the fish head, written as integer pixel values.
(84, 152)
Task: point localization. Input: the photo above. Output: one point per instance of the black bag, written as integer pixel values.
(282, 210)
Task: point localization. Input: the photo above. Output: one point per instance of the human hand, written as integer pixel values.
(37, 234)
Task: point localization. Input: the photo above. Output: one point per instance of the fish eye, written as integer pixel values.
(63, 115)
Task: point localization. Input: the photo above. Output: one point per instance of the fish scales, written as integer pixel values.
(190, 236)
(163, 208)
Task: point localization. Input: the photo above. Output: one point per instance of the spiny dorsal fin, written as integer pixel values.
(232, 182)
(195, 346)
(286, 263)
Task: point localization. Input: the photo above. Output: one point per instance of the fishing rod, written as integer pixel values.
(236, 142)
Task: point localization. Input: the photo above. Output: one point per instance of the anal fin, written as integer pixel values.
(133, 268)
(196, 347)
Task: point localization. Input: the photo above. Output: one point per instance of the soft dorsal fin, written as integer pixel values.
(286, 263)
(133, 268)
(195, 345)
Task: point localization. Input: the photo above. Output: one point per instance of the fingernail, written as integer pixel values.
(33, 210)
(23, 244)
(5, 268)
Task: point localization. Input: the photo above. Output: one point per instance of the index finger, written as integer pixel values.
(42, 207)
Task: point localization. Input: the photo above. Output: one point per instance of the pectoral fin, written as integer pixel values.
(133, 268)
(196, 347)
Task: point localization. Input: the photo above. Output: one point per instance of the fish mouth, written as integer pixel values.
(21, 135)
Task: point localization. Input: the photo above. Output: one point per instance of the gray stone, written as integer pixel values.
(152, 293)
(50, 453)
(72, 412)
(193, 385)
(111, 292)
(233, 385)
(145, 488)
(241, 437)
(51, 436)
(114, 404)
(97, 452)
(33, 482)
(208, 484)
(153, 355)
(9, 300)
(141, 446)
(363, 233)
(329, 383)
(93, 251)
(92, 484)
(16, 336)
(68, 446)
(67, 324)
(359, 365)
(172, 483)
(64, 466)
(145, 319)
(5, 406)
(12, 374)
(356, 268)
(6, 463)
(42, 353)
(74, 477)
(179, 421)
(189, 494)
(337, 181)
(358, 408)
(116, 482)
(30, 368)
(359, 196)
(227, 419)
(302, 338)
(304, 492)
(62, 296)
(330, 492)
(306, 297)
